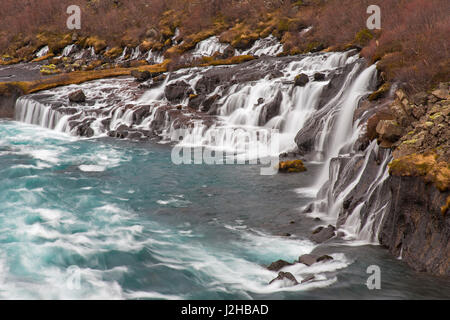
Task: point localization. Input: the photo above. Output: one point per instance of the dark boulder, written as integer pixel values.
(308, 259)
(285, 276)
(271, 109)
(77, 96)
(301, 80)
(141, 76)
(318, 76)
(278, 265)
(177, 91)
(322, 234)
(308, 278)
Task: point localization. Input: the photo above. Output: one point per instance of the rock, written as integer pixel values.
(141, 76)
(308, 259)
(285, 276)
(77, 96)
(442, 93)
(301, 80)
(308, 278)
(322, 234)
(389, 130)
(8, 96)
(414, 227)
(291, 166)
(177, 91)
(318, 76)
(271, 109)
(278, 265)
(324, 258)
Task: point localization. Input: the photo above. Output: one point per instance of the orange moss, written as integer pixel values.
(291, 166)
(425, 165)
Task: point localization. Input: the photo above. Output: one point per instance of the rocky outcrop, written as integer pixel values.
(301, 80)
(322, 234)
(8, 95)
(278, 265)
(415, 228)
(291, 166)
(77, 96)
(285, 276)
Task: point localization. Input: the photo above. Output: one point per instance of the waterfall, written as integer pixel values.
(269, 46)
(42, 52)
(238, 108)
(208, 47)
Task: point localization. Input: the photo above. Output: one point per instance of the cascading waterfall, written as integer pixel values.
(233, 103)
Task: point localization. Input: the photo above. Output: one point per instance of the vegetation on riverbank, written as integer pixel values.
(409, 47)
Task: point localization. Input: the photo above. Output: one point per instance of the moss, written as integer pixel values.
(113, 52)
(232, 60)
(97, 43)
(291, 166)
(381, 92)
(435, 116)
(363, 37)
(425, 165)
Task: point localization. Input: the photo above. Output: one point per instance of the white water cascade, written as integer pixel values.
(238, 107)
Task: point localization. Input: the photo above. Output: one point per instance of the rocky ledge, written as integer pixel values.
(417, 224)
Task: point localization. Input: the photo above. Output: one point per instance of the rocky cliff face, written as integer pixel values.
(416, 229)
(416, 226)
(8, 96)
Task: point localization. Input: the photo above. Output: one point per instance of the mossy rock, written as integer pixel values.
(291, 166)
(381, 92)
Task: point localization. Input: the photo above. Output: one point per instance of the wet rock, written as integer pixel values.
(324, 258)
(271, 109)
(134, 135)
(318, 76)
(8, 96)
(77, 96)
(278, 265)
(177, 91)
(291, 166)
(141, 76)
(308, 278)
(301, 80)
(414, 226)
(308, 259)
(285, 276)
(322, 234)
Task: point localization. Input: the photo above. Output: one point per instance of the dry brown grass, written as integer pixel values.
(412, 47)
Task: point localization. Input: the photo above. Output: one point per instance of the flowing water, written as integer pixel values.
(107, 218)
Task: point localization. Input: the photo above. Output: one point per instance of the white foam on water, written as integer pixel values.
(92, 168)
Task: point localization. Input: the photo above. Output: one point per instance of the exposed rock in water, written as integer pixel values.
(318, 76)
(271, 109)
(8, 96)
(77, 96)
(141, 76)
(278, 265)
(291, 166)
(310, 259)
(178, 91)
(308, 278)
(301, 80)
(322, 234)
(285, 276)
